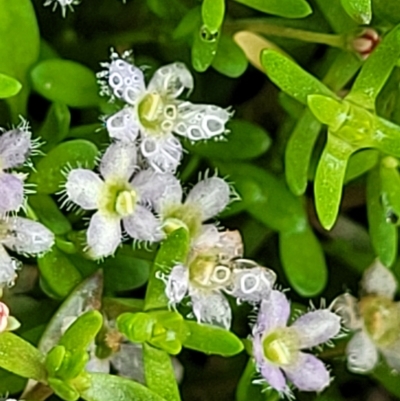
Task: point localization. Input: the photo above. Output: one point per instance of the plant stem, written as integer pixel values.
(39, 392)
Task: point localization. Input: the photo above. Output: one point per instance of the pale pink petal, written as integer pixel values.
(83, 187)
(379, 280)
(143, 225)
(273, 376)
(15, 147)
(316, 327)
(103, 235)
(308, 374)
(119, 161)
(362, 355)
(11, 193)
(4, 315)
(123, 125)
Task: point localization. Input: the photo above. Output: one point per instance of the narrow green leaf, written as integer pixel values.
(212, 12)
(9, 86)
(387, 10)
(212, 340)
(390, 182)
(67, 82)
(204, 48)
(359, 10)
(334, 13)
(385, 376)
(303, 261)
(159, 373)
(172, 251)
(246, 390)
(385, 136)
(291, 78)
(360, 162)
(283, 8)
(104, 387)
(48, 176)
(20, 357)
(383, 233)
(329, 179)
(299, 150)
(376, 71)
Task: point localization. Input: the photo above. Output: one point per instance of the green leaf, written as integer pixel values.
(66, 82)
(173, 250)
(159, 373)
(329, 179)
(336, 16)
(48, 176)
(360, 162)
(230, 59)
(283, 8)
(60, 275)
(212, 340)
(105, 387)
(204, 48)
(63, 389)
(9, 86)
(212, 12)
(49, 214)
(19, 47)
(383, 233)
(376, 70)
(390, 184)
(291, 78)
(245, 141)
(299, 151)
(20, 357)
(385, 136)
(385, 376)
(303, 261)
(359, 10)
(387, 9)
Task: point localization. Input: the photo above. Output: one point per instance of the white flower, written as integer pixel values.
(7, 322)
(22, 236)
(211, 268)
(118, 197)
(155, 112)
(375, 319)
(64, 4)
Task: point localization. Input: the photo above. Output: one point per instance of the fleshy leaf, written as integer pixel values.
(212, 12)
(390, 182)
(9, 86)
(359, 10)
(283, 8)
(360, 162)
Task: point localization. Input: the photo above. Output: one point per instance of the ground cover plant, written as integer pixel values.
(199, 200)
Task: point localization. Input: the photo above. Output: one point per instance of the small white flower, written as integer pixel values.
(117, 197)
(155, 112)
(375, 319)
(64, 4)
(7, 322)
(22, 236)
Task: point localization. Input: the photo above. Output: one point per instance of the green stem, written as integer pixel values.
(39, 392)
(261, 26)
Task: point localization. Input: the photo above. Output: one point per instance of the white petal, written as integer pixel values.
(119, 161)
(177, 284)
(15, 147)
(392, 355)
(128, 362)
(157, 189)
(346, 306)
(126, 80)
(308, 374)
(379, 280)
(123, 125)
(200, 121)
(11, 193)
(103, 235)
(163, 153)
(84, 188)
(26, 236)
(208, 237)
(8, 267)
(211, 307)
(97, 365)
(171, 80)
(316, 327)
(211, 194)
(143, 225)
(362, 355)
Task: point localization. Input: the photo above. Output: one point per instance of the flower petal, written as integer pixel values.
(123, 125)
(346, 306)
(379, 280)
(128, 362)
(119, 161)
(163, 153)
(211, 194)
(8, 267)
(171, 80)
(362, 355)
(26, 236)
(103, 235)
(98, 365)
(177, 284)
(84, 187)
(273, 376)
(156, 188)
(211, 307)
(308, 374)
(125, 80)
(392, 355)
(143, 225)
(274, 312)
(15, 147)
(200, 121)
(316, 327)
(12, 193)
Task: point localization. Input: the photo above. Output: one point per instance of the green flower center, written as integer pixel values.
(281, 346)
(149, 111)
(186, 215)
(118, 199)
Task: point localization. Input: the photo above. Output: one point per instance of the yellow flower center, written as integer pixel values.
(281, 346)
